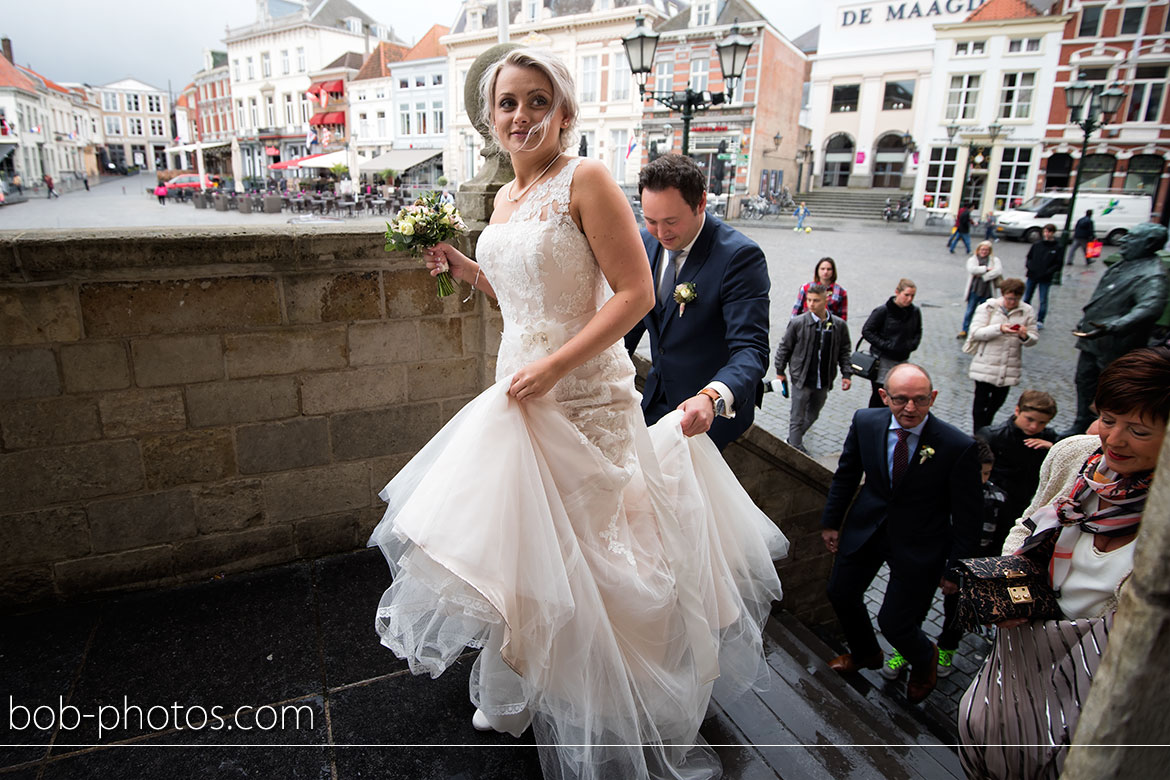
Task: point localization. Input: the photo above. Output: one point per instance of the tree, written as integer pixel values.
(340, 170)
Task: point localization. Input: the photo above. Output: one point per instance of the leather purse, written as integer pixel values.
(1001, 588)
(864, 365)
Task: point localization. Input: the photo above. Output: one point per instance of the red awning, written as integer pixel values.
(291, 163)
(328, 118)
(315, 87)
(337, 85)
(272, 151)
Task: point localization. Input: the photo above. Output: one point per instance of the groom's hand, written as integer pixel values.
(698, 414)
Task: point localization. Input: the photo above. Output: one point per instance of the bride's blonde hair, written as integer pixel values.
(562, 88)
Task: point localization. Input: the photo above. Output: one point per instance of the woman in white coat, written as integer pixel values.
(1000, 329)
(983, 269)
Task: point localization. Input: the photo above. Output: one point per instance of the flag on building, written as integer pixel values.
(326, 136)
(633, 145)
(311, 138)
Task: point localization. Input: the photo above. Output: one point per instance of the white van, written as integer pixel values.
(1113, 215)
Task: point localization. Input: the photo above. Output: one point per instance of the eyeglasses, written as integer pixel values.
(902, 400)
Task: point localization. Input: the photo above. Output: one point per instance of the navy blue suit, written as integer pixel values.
(722, 336)
(931, 516)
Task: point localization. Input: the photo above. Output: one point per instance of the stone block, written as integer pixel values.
(295, 495)
(45, 535)
(442, 379)
(39, 314)
(280, 446)
(441, 339)
(37, 478)
(341, 297)
(176, 360)
(51, 421)
(91, 366)
(382, 470)
(285, 351)
(28, 373)
(412, 293)
(378, 432)
(139, 521)
(244, 400)
(132, 412)
(375, 343)
(325, 535)
(232, 552)
(190, 456)
(451, 406)
(148, 567)
(230, 506)
(179, 305)
(26, 586)
(354, 389)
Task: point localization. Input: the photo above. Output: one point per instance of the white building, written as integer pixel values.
(270, 62)
(136, 122)
(995, 74)
(372, 106)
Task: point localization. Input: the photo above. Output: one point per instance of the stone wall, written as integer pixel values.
(183, 403)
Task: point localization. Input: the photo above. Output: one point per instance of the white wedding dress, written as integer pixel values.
(612, 574)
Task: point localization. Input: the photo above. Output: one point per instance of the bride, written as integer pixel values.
(612, 574)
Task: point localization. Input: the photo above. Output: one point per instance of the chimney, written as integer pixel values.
(6, 43)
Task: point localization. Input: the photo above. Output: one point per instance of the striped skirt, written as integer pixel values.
(1018, 716)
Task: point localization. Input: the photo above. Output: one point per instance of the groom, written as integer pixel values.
(708, 354)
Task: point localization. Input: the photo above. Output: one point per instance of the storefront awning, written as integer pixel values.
(295, 163)
(399, 160)
(6, 149)
(328, 118)
(335, 85)
(193, 147)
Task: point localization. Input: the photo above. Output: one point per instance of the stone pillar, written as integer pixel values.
(1126, 709)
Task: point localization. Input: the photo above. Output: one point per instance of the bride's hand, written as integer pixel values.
(460, 265)
(535, 379)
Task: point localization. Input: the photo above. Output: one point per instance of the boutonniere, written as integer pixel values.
(683, 294)
(926, 454)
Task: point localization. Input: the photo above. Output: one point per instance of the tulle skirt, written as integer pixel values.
(609, 600)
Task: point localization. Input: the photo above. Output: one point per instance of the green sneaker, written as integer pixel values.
(945, 662)
(893, 667)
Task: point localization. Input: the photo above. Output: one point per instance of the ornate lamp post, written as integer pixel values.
(993, 131)
(1102, 103)
(640, 46)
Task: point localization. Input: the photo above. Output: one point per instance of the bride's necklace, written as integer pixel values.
(512, 199)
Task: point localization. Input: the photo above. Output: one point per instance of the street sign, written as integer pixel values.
(724, 156)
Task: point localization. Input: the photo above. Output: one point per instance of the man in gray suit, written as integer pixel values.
(815, 344)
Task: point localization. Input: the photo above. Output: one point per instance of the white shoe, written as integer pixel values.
(480, 722)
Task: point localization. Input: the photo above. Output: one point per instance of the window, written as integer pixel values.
(300, 59)
(284, 62)
(664, 76)
(1015, 101)
(420, 113)
(154, 104)
(899, 95)
(133, 103)
(1013, 176)
(134, 124)
(437, 117)
(702, 13)
(618, 144)
(969, 48)
(1145, 171)
(265, 64)
(420, 80)
(109, 101)
(1090, 21)
(845, 97)
(251, 68)
(113, 125)
(589, 79)
(404, 119)
(1131, 20)
(963, 96)
(381, 124)
(620, 86)
(940, 176)
(403, 83)
(1096, 171)
(590, 137)
(289, 116)
(253, 112)
(363, 126)
(270, 110)
(530, 10)
(361, 95)
(437, 80)
(304, 109)
(240, 119)
(380, 93)
(1016, 45)
(1145, 96)
(700, 73)
(156, 127)
(235, 70)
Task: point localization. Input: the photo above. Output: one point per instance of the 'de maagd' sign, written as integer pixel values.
(896, 12)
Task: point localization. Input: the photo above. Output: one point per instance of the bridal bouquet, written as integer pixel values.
(420, 226)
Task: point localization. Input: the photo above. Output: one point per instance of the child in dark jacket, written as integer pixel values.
(1020, 446)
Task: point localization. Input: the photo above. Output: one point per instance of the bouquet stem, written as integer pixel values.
(446, 284)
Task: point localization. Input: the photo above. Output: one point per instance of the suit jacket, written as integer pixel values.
(723, 334)
(932, 514)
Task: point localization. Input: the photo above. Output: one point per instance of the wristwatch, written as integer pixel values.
(716, 399)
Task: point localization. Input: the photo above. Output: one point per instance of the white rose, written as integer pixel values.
(406, 228)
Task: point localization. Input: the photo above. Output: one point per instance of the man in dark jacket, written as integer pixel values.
(1042, 264)
(962, 230)
(893, 331)
(815, 344)
(1083, 233)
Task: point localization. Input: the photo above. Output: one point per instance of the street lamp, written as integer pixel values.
(1101, 102)
(993, 131)
(640, 45)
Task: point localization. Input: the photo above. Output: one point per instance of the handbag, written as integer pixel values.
(1092, 249)
(864, 365)
(1003, 587)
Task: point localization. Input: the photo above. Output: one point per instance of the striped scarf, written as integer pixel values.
(1121, 500)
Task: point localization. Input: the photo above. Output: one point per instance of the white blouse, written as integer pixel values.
(1093, 578)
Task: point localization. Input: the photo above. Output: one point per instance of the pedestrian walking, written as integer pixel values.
(989, 225)
(1002, 327)
(983, 272)
(825, 274)
(962, 230)
(18, 183)
(49, 183)
(1083, 232)
(893, 331)
(161, 193)
(801, 213)
(1042, 264)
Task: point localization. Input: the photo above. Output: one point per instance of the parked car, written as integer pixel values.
(189, 181)
(1113, 215)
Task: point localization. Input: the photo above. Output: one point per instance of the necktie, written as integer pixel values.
(669, 274)
(901, 456)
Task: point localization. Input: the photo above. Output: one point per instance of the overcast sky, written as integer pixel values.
(160, 42)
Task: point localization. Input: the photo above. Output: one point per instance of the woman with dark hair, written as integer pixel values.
(1000, 330)
(1017, 718)
(825, 274)
(893, 331)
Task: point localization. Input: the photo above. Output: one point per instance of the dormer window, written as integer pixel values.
(703, 12)
(353, 24)
(970, 48)
(475, 19)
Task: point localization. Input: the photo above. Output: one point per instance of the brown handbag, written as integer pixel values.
(1001, 588)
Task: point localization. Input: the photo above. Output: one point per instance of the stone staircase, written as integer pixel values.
(811, 723)
(839, 203)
